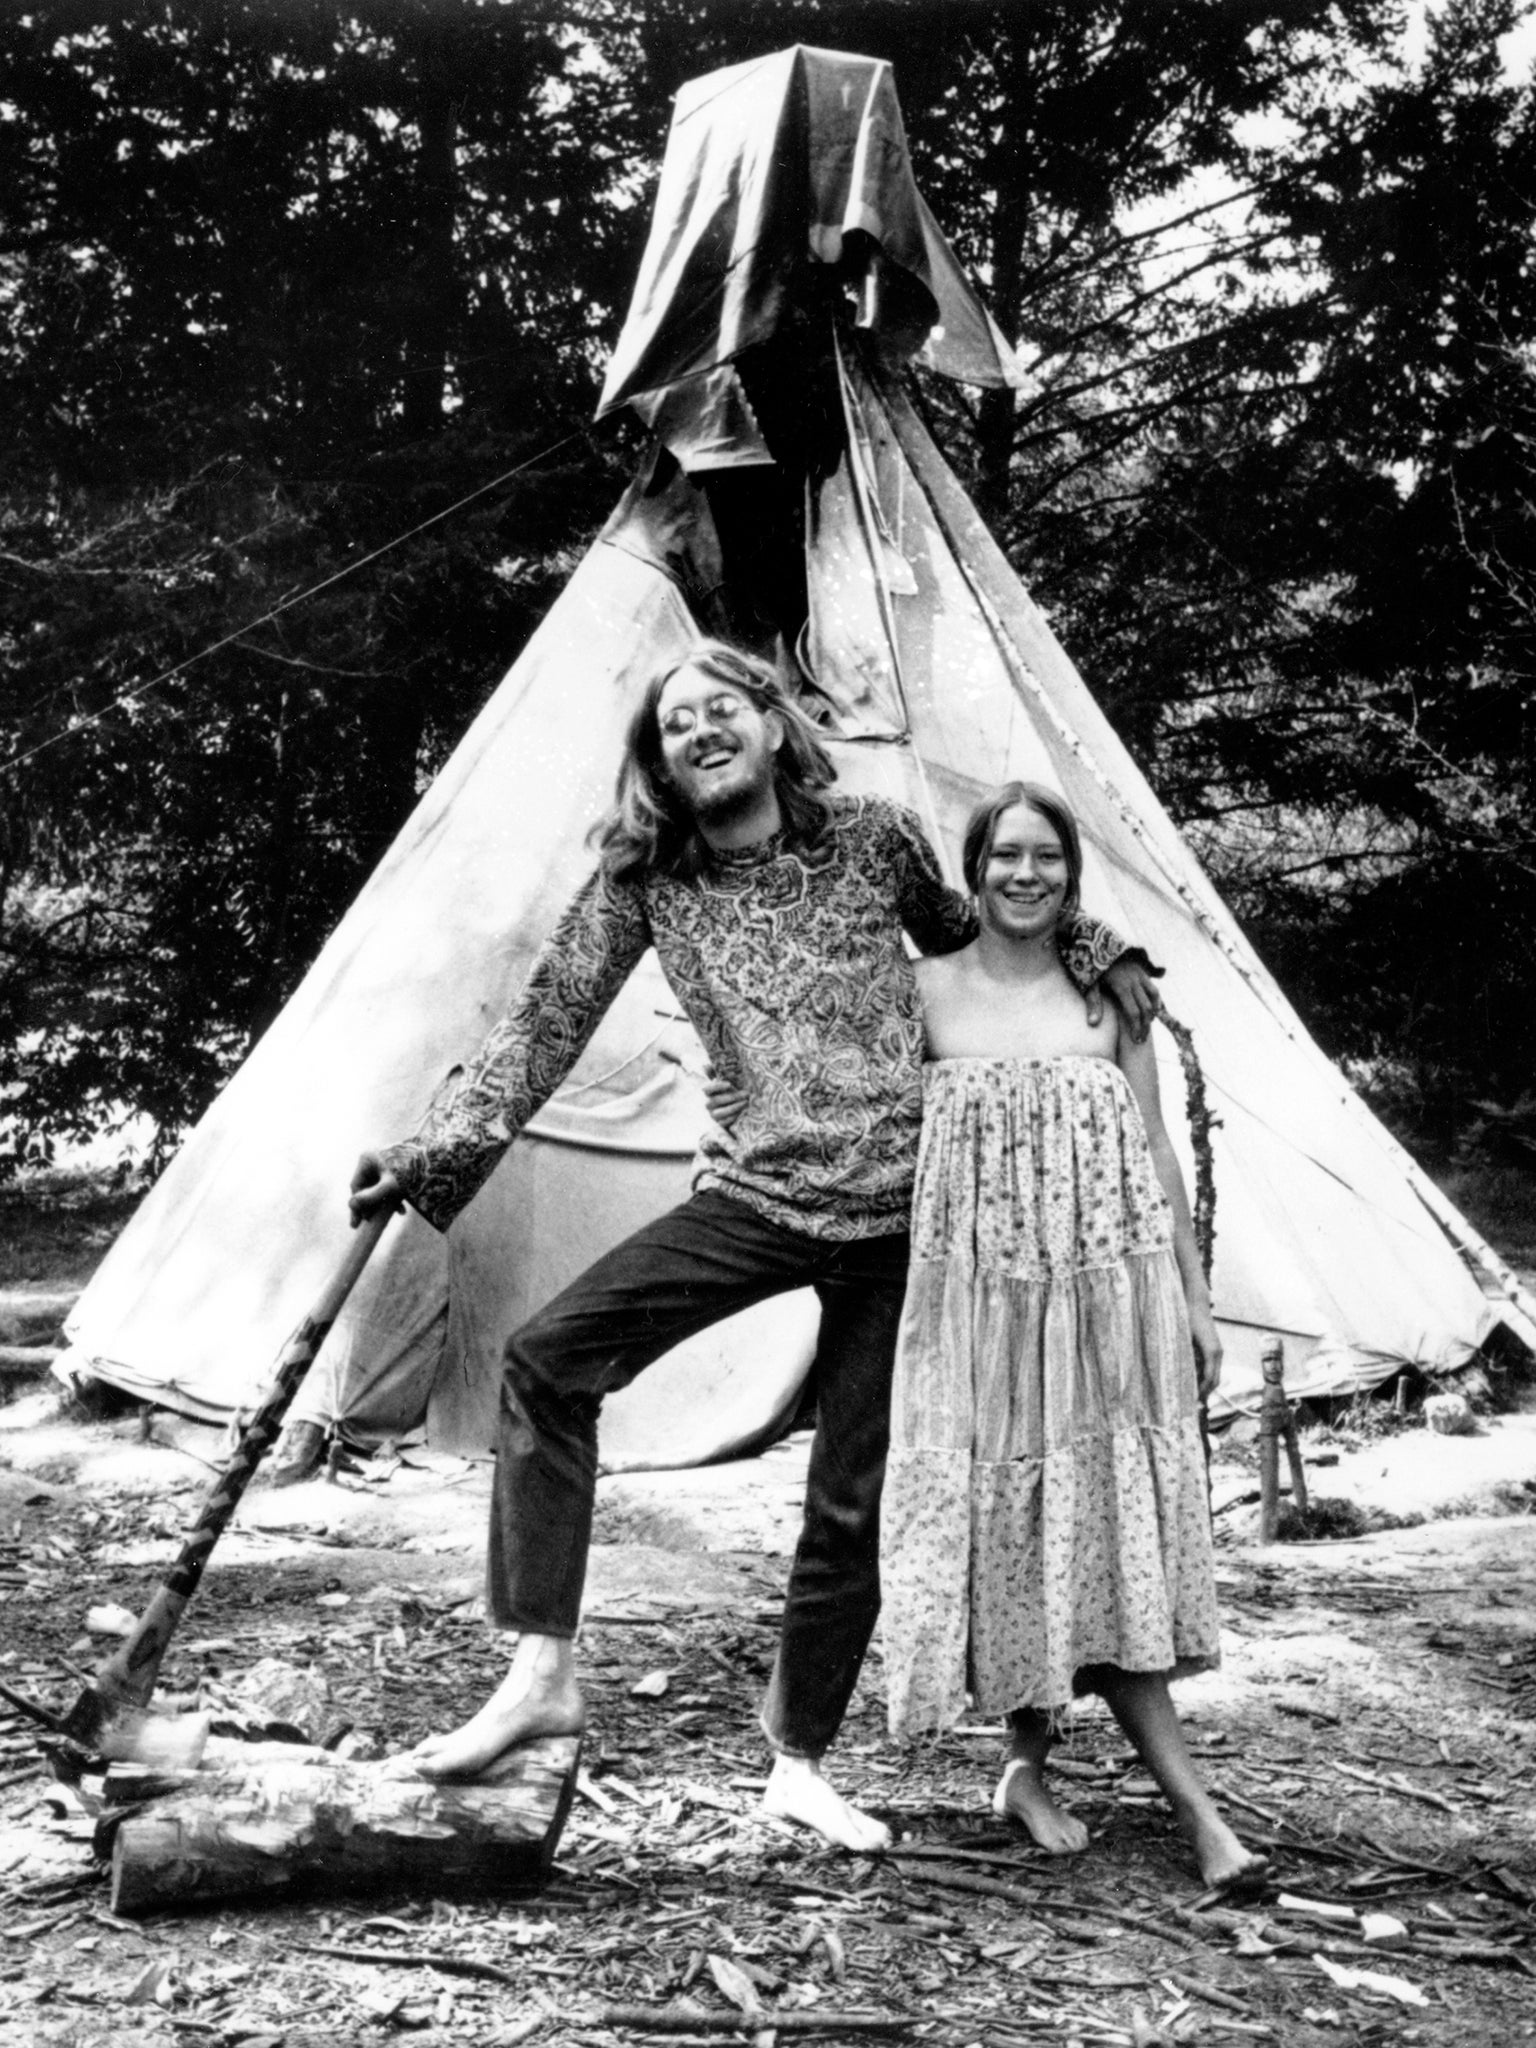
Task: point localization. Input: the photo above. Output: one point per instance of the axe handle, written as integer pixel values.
(128, 1676)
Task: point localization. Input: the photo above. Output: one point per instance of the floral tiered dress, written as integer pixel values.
(1045, 1502)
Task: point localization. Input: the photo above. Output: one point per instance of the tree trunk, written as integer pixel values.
(432, 286)
(997, 412)
(270, 1825)
(279, 863)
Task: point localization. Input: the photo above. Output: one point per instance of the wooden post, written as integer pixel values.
(1271, 1428)
(1293, 1458)
(270, 1825)
(1276, 1423)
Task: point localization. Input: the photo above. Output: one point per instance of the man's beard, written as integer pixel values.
(708, 806)
(719, 807)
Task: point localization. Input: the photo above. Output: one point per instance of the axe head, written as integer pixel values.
(123, 1732)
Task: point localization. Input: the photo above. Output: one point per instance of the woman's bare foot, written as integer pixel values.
(1141, 1703)
(797, 1791)
(1228, 1865)
(538, 1696)
(1021, 1796)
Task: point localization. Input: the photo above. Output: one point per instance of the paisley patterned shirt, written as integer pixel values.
(795, 978)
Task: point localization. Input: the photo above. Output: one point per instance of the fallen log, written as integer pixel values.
(133, 1784)
(272, 1825)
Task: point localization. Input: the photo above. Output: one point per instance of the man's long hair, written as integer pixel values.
(649, 829)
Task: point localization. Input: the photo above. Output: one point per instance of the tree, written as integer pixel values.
(1422, 219)
(1307, 597)
(280, 285)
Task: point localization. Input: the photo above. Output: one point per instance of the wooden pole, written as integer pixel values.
(1197, 1107)
(129, 1675)
(272, 1826)
(1202, 1122)
(1293, 1457)
(1277, 1425)
(1271, 1429)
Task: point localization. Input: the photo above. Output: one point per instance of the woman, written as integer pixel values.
(1046, 1527)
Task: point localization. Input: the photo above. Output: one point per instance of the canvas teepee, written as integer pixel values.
(791, 493)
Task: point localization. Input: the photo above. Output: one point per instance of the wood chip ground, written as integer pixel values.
(1396, 1778)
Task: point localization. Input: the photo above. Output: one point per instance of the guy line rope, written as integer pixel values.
(127, 697)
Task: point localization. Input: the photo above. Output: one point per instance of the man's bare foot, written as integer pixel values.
(797, 1791)
(1021, 1796)
(538, 1696)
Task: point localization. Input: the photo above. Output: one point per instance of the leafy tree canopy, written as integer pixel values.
(280, 285)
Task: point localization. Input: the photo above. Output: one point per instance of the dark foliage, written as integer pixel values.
(280, 284)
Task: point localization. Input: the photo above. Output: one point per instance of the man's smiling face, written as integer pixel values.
(717, 748)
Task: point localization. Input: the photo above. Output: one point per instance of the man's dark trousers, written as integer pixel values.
(689, 1269)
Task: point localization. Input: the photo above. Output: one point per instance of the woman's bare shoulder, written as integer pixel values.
(937, 972)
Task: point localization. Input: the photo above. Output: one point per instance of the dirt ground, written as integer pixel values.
(1373, 1727)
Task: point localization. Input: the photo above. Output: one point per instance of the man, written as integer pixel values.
(777, 909)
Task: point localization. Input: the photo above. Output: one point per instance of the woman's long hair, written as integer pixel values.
(648, 829)
(981, 830)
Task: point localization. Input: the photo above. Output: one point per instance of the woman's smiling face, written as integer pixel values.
(1025, 879)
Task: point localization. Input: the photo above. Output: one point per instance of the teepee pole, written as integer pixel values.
(869, 520)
